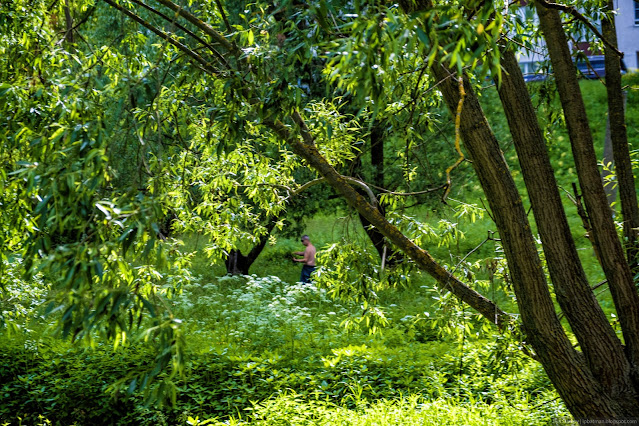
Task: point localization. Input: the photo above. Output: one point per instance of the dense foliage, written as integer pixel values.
(130, 129)
(278, 350)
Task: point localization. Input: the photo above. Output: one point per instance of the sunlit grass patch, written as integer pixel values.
(293, 410)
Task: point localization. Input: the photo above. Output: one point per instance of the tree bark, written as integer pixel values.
(602, 349)
(619, 139)
(613, 260)
(68, 35)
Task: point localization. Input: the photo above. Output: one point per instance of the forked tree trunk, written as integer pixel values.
(565, 367)
(615, 266)
(602, 349)
(238, 264)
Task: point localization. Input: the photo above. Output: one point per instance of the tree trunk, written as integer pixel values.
(389, 256)
(565, 367)
(607, 243)
(239, 264)
(602, 349)
(68, 35)
(619, 139)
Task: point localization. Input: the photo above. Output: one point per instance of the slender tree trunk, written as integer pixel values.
(68, 35)
(602, 349)
(389, 256)
(613, 260)
(619, 138)
(377, 153)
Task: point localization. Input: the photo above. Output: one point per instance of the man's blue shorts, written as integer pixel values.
(307, 270)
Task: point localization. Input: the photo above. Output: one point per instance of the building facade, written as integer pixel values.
(627, 21)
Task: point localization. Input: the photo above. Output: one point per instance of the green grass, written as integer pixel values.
(265, 352)
(412, 410)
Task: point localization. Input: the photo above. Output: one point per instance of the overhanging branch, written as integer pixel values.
(199, 59)
(571, 10)
(422, 258)
(186, 30)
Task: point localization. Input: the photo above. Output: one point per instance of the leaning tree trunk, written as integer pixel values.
(615, 266)
(307, 150)
(565, 367)
(602, 349)
(619, 139)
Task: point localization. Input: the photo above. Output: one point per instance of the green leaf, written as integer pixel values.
(421, 35)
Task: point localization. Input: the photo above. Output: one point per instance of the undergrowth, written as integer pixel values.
(267, 352)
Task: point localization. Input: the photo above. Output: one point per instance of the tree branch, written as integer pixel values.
(224, 18)
(186, 30)
(306, 134)
(208, 30)
(460, 104)
(206, 66)
(408, 194)
(571, 10)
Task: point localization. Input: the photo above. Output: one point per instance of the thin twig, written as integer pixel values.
(488, 238)
(409, 194)
(460, 104)
(224, 18)
(80, 22)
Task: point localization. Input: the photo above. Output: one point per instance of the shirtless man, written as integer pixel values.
(308, 259)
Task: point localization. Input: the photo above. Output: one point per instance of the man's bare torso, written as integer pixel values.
(309, 255)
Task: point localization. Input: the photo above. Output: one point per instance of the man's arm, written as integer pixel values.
(306, 253)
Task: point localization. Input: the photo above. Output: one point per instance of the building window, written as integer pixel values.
(636, 12)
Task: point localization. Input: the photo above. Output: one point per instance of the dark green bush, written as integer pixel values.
(72, 386)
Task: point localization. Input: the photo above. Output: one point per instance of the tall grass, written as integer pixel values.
(293, 410)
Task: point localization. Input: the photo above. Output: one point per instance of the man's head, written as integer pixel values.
(306, 240)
